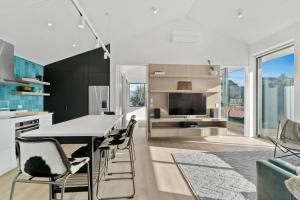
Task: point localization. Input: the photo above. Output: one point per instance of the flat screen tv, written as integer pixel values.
(187, 104)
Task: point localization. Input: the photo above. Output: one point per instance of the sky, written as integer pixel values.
(276, 67)
(238, 77)
(271, 68)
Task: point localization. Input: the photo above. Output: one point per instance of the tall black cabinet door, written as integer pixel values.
(69, 88)
(99, 70)
(55, 103)
(76, 94)
(70, 79)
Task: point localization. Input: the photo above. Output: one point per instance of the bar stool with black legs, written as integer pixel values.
(118, 144)
(44, 158)
(118, 133)
(114, 134)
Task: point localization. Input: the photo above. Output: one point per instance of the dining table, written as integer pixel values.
(82, 130)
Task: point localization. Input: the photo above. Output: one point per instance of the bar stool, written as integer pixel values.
(118, 144)
(118, 133)
(45, 158)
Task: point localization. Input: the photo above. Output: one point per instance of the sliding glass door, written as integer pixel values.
(233, 98)
(275, 90)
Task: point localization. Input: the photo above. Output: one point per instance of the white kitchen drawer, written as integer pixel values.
(6, 162)
(7, 134)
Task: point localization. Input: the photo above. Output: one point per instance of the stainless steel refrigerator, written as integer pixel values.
(98, 100)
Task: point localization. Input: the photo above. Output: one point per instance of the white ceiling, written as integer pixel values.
(261, 18)
(24, 22)
(135, 74)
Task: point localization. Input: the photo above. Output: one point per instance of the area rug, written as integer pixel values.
(222, 175)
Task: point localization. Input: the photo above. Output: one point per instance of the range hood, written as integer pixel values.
(7, 64)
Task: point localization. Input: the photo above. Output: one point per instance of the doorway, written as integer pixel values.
(132, 86)
(233, 99)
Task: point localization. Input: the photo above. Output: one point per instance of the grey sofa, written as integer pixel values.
(271, 175)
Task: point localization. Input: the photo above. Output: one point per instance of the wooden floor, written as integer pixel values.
(157, 176)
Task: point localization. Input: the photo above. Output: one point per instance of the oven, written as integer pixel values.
(25, 126)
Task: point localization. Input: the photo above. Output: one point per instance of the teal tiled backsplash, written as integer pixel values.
(23, 68)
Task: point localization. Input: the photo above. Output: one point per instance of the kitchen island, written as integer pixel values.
(83, 130)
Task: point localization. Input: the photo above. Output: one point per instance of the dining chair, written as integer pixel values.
(44, 158)
(117, 144)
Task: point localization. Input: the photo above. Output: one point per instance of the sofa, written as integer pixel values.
(271, 175)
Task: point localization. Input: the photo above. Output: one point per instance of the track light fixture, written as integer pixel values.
(240, 14)
(85, 21)
(154, 10)
(106, 55)
(81, 24)
(98, 44)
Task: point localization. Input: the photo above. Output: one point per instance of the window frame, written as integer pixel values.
(258, 82)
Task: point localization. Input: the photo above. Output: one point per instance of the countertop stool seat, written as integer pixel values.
(109, 147)
(44, 158)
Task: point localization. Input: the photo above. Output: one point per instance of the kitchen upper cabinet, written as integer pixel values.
(70, 79)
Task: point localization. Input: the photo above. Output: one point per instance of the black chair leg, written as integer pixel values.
(89, 183)
(131, 178)
(13, 186)
(275, 150)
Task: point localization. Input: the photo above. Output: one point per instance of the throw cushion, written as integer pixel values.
(293, 185)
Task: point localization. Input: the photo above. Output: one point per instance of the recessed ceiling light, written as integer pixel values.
(154, 10)
(240, 14)
(50, 24)
(74, 45)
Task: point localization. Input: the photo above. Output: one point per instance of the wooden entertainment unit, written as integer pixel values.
(167, 127)
(164, 79)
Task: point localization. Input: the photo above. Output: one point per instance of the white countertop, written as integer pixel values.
(24, 118)
(90, 125)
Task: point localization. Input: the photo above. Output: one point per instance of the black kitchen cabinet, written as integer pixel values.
(97, 68)
(70, 79)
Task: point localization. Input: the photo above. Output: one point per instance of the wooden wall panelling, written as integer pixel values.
(202, 81)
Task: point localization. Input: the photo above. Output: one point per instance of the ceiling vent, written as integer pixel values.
(186, 36)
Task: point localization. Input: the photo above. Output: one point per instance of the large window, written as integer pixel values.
(137, 94)
(275, 90)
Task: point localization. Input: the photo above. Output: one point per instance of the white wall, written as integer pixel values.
(289, 34)
(156, 46)
(139, 112)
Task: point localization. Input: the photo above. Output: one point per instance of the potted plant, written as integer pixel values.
(212, 69)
